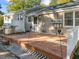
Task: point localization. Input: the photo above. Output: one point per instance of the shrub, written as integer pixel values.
(76, 54)
(1, 20)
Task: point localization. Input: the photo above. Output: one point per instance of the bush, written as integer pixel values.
(1, 20)
(76, 54)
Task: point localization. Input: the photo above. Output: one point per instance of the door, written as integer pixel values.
(32, 23)
(35, 23)
(28, 24)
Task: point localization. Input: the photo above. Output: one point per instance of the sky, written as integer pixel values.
(46, 2)
(4, 4)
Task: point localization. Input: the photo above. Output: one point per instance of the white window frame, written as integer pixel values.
(36, 21)
(29, 19)
(73, 19)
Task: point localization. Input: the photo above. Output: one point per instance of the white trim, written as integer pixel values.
(73, 18)
(64, 21)
(73, 8)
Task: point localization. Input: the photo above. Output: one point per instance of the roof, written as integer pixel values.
(40, 9)
(8, 14)
(34, 9)
(72, 4)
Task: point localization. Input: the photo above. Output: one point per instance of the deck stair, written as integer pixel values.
(23, 53)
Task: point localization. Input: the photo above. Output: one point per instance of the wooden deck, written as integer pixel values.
(46, 44)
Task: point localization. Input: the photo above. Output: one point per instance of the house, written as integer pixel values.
(32, 19)
(51, 19)
(37, 17)
(66, 15)
(15, 20)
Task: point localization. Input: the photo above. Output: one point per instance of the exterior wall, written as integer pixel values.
(47, 23)
(72, 30)
(18, 23)
(8, 18)
(27, 25)
(71, 9)
(15, 20)
(44, 23)
(78, 33)
(30, 26)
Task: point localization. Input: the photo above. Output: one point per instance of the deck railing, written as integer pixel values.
(72, 41)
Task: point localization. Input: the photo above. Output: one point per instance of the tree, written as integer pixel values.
(58, 2)
(53, 2)
(15, 5)
(1, 17)
(1, 20)
(0, 6)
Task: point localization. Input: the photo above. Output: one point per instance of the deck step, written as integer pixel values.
(39, 56)
(24, 53)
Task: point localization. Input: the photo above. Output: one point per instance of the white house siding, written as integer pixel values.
(72, 37)
(78, 32)
(70, 9)
(18, 23)
(8, 18)
(46, 23)
(12, 20)
(27, 25)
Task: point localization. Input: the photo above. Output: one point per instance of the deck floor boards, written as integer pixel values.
(44, 42)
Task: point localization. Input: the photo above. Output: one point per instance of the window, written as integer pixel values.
(18, 18)
(69, 19)
(29, 19)
(21, 18)
(35, 20)
(7, 18)
(77, 18)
